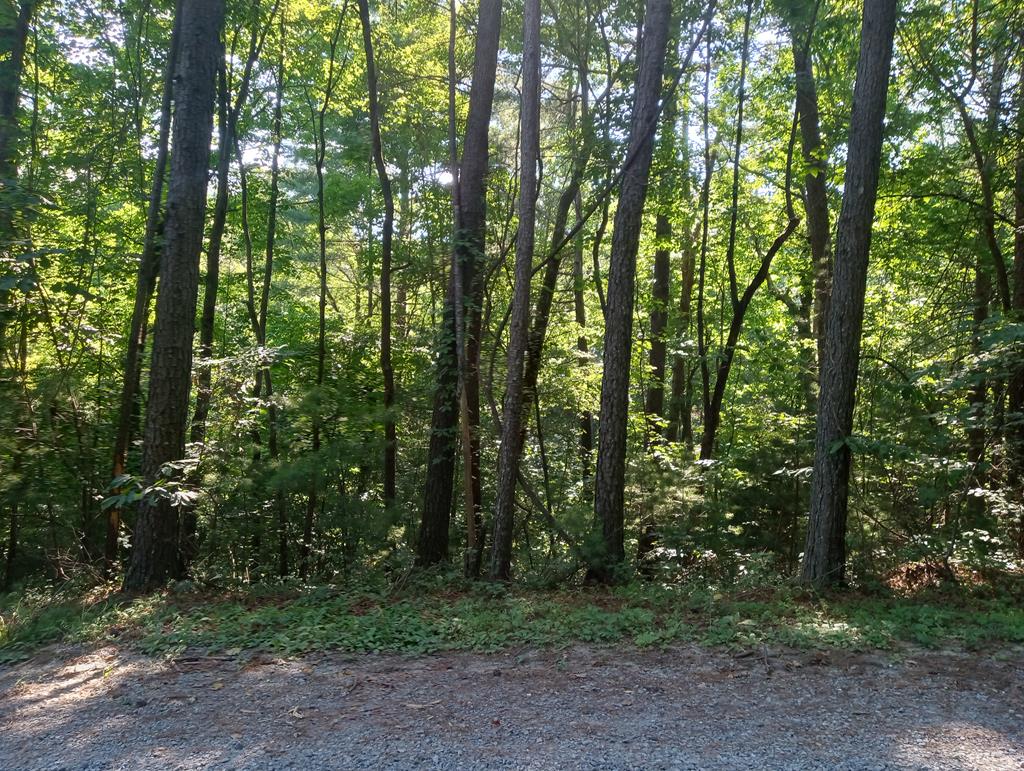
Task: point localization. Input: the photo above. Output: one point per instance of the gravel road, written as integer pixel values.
(580, 708)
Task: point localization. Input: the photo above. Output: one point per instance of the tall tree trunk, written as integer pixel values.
(511, 433)
(387, 236)
(815, 180)
(654, 404)
(433, 536)
(268, 274)
(14, 24)
(679, 426)
(667, 171)
(825, 550)
(977, 396)
(189, 522)
(227, 123)
(154, 556)
(320, 142)
(586, 418)
(611, 455)
(468, 252)
(145, 284)
(1016, 385)
(702, 259)
(14, 27)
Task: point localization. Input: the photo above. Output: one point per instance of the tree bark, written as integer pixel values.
(611, 455)
(227, 123)
(14, 24)
(468, 252)
(815, 179)
(824, 560)
(666, 170)
(654, 405)
(511, 429)
(154, 557)
(1016, 385)
(145, 284)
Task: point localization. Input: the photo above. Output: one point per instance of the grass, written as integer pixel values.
(431, 616)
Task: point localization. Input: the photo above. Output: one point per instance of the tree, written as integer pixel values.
(824, 560)
(739, 302)
(154, 556)
(611, 453)
(14, 28)
(467, 257)
(145, 285)
(511, 429)
(320, 149)
(386, 238)
(228, 113)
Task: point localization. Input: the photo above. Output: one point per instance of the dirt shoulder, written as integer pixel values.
(584, 707)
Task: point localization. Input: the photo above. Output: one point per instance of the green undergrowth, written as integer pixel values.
(430, 616)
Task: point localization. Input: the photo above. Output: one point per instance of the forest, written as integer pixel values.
(551, 293)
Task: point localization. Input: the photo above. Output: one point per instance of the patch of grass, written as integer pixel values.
(425, 617)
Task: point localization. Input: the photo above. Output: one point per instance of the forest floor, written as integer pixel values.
(584, 706)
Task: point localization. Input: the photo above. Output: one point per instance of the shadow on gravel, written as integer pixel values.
(585, 707)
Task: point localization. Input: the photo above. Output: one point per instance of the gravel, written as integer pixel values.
(579, 708)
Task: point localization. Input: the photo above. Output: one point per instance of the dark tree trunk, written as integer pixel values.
(468, 252)
(154, 557)
(14, 27)
(825, 550)
(145, 283)
(14, 23)
(432, 539)
(227, 122)
(208, 317)
(511, 429)
(702, 259)
(611, 455)
(666, 170)
(680, 425)
(815, 180)
(654, 406)
(1016, 385)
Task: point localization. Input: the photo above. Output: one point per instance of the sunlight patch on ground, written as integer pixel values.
(962, 745)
